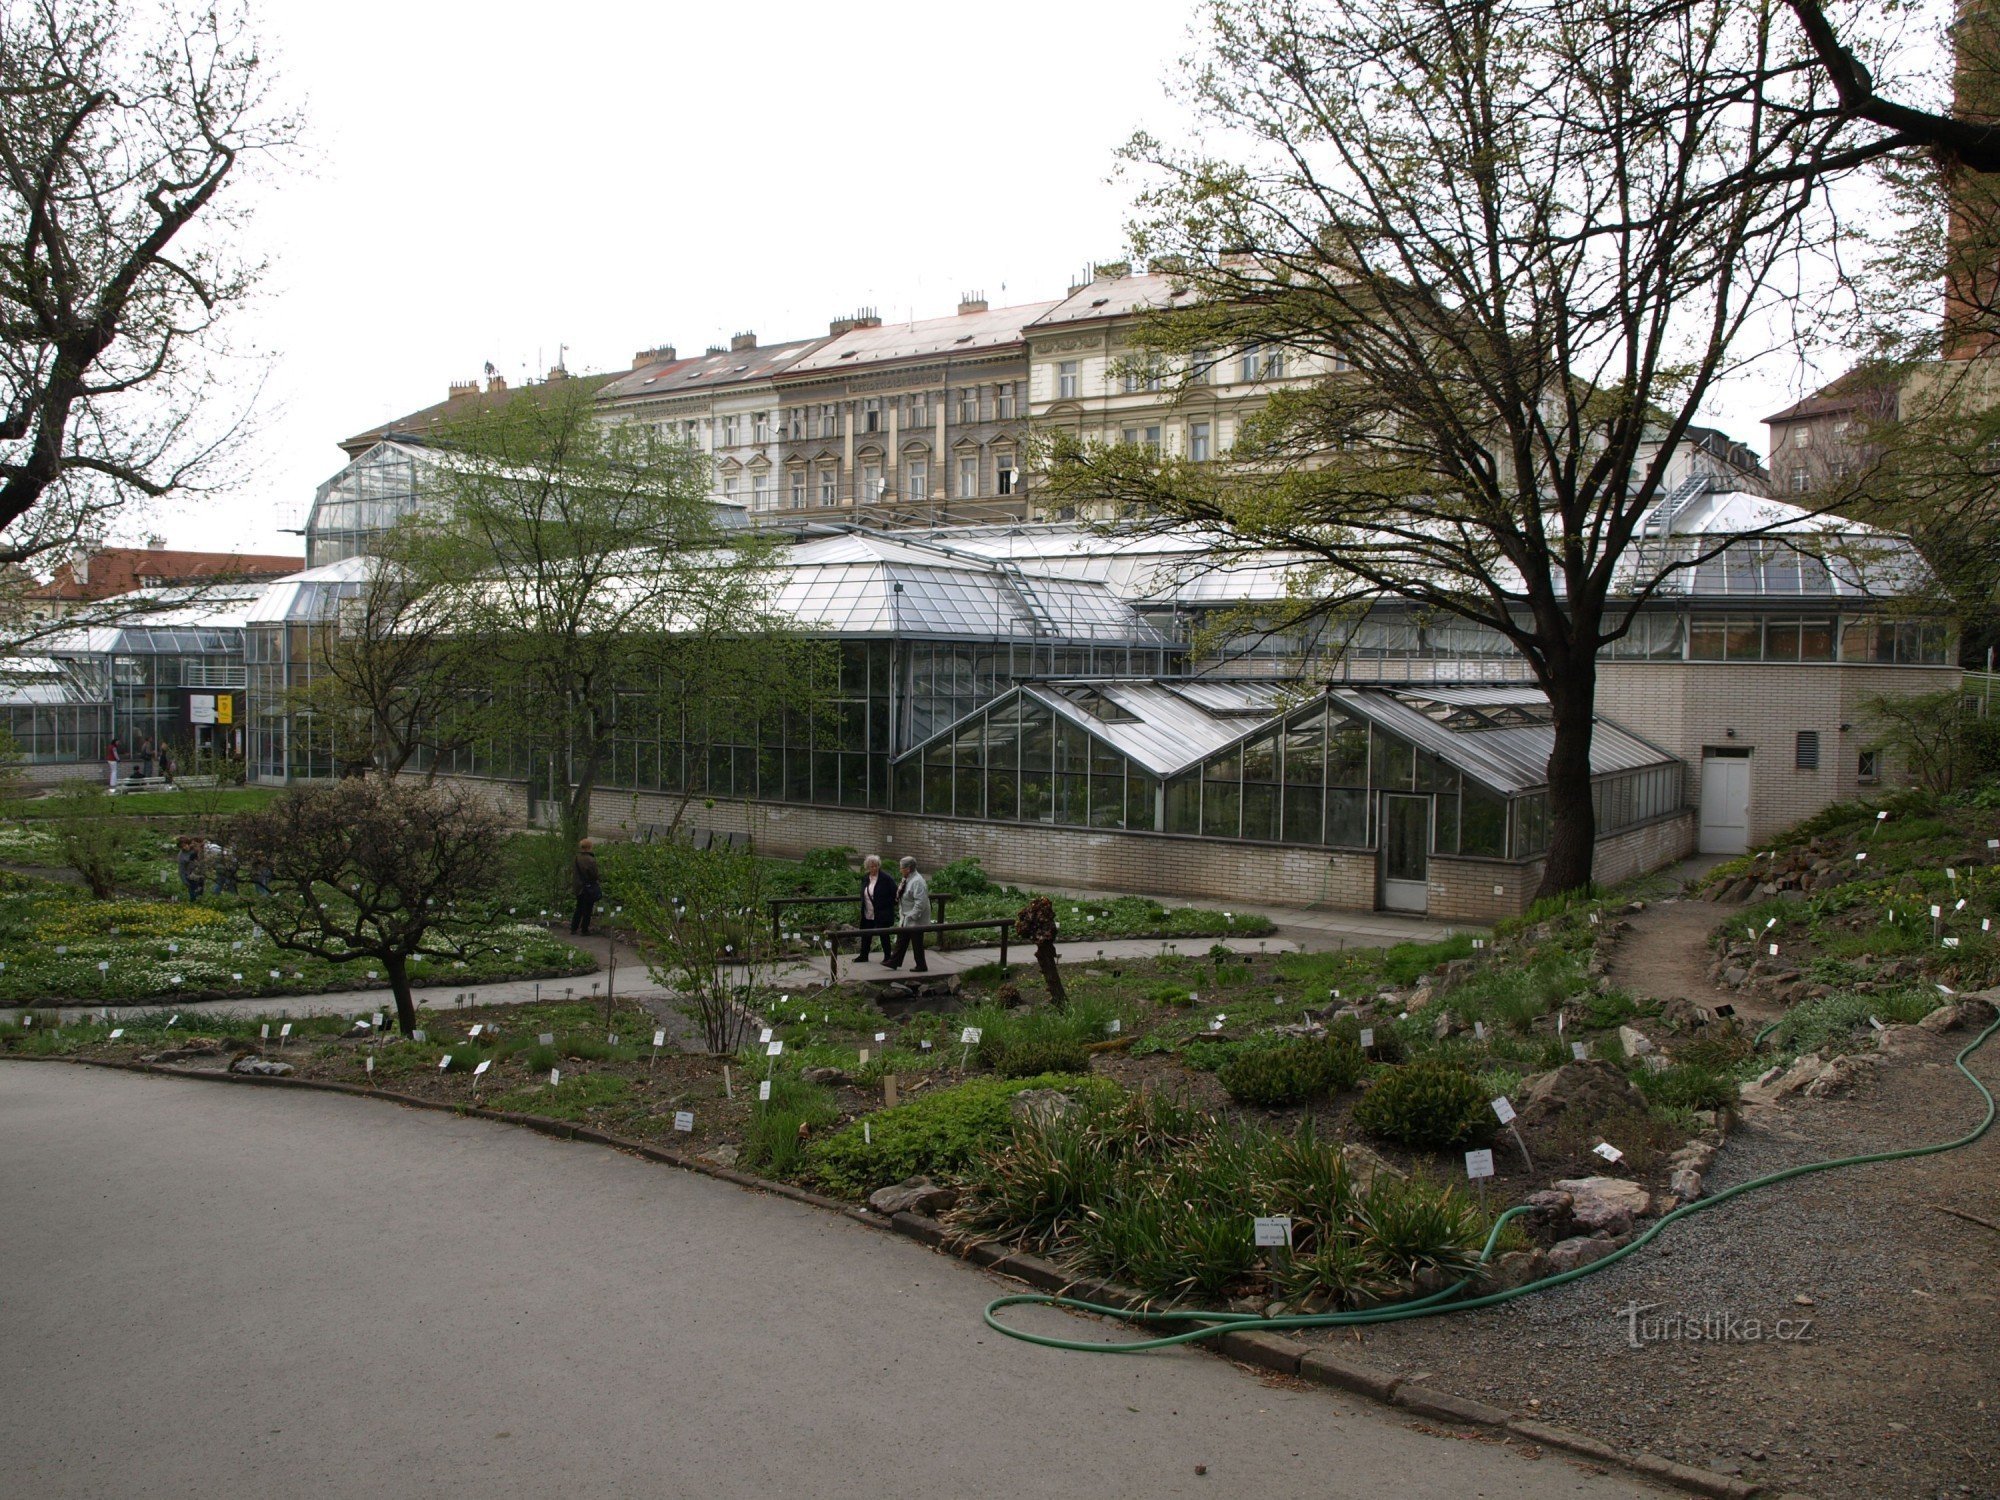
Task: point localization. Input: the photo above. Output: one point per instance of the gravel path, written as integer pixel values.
(1890, 1390)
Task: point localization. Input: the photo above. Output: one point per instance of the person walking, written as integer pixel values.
(167, 763)
(111, 765)
(913, 909)
(878, 906)
(588, 888)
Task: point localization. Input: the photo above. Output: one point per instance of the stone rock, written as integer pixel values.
(1443, 1026)
(1735, 975)
(917, 1195)
(1590, 1090)
(1548, 1204)
(1696, 1156)
(722, 1156)
(1605, 1204)
(1041, 1107)
(1686, 1184)
(832, 1077)
(1567, 1255)
(1422, 995)
(1839, 1075)
(1516, 1268)
(1364, 1166)
(1968, 1012)
(1893, 1041)
(1683, 1014)
(1635, 1042)
(263, 1067)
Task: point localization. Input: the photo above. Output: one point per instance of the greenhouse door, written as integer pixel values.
(1725, 801)
(1406, 843)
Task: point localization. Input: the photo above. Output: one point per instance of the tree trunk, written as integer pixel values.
(398, 969)
(1572, 818)
(1045, 958)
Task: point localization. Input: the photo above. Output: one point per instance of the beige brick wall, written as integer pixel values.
(1682, 707)
(1213, 869)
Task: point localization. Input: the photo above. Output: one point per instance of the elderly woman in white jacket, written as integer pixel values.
(913, 909)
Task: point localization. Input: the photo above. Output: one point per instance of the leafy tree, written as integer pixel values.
(1527, 237)
(1935, 738)
(365, 869)
(700, 917)
(589, 592)
(120, 133)
(94, 843)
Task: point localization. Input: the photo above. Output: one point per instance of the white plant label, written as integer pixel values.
(774, 1049)
(264, 1032)
(1881, 817)
(611, 1039)
(1937, 911)
(1114, 1025)
(1367, 1036)
(1478, 1164)
(764, 1035)
(1276, 1230)
(1578, 1051)
(1216, 1024)
(1479, 1031)
(1951, 942)
(881, 1036)
(117, 1033)
(1774, 950)
(547, 1038)
(103, 966)
(1608, 1151)
(969, 1037)
(284, 1030)
(1875, 1022)
(659, 1039)
(924, 1046)
(477, 1029)
(172, 1019)
(1504, 1108)
(1950, 873)
(555, 1077)
(484, 1064)
(684, 1120)
(370, 1061)
(378, 1020)
(764, 1090)
(867, 1134)
(1860, 856)
(420, 1035)
(444, 1062)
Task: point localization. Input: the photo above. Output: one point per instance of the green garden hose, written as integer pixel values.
(1214, 1323)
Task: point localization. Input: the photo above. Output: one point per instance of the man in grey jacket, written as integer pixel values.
(913, 909)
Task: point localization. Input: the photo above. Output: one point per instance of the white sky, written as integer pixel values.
(492, 181)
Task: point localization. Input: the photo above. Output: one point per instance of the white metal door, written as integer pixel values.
(1406, 845)
(1725, 804)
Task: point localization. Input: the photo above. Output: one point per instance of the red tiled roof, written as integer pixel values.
(119, 570)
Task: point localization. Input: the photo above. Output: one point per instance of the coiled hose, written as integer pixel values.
(1214, 1323)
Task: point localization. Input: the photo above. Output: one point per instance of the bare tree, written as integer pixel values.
(1525, 238)
(119, 134)
(374, 869)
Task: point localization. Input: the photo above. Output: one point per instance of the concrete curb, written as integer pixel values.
(1265, 1351)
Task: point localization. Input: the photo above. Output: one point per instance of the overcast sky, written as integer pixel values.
(498, 181)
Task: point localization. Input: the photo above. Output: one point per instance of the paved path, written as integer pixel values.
(215, 1291)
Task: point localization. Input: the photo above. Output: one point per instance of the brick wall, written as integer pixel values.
(1683, 706)
(1032, 854)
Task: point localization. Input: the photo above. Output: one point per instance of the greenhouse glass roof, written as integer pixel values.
(312, 595)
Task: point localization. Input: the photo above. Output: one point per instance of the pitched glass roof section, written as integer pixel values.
(190, 621)
(1171, 725)
(314, 594)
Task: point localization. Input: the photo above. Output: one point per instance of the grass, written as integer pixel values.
(183, 806)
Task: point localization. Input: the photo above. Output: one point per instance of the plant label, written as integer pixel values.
(1367, 1036)
(370, 1062)
(1114, 1025)
(764, 1035)
(1593, 919)
(444, 1062)
(547, 1038)
(1993, 843)
(1959, 904)
(867, 1134)
(1608, 1151)
(1478, 1164)
(1875, 1022)
(1769, 923)
(420, 1035)
(774, 1049)
(969, 1037)
(864, 1057)
(264, 1032)
(1951, 942)
(924, 1046)
(378, 1020)
(1578, 1051)
(1950, 873)
(1860, 856)
(1216, 1024)
(764, 1091)
(284, 1031)
(477, 1029)
(103, 966)
(1479, 1031)
(1881, 817)
(881, 1036)
(684, 1120)
(1504, 1109)
(484, 1064)
(888, 1090)
(611, 1039)
(659, 1039)
(117, 1033)
(172, 1019)
(555, 1077)
(1936, 912)
(1276, 1230)
(1774, 950)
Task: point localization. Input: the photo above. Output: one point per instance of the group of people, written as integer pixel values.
(888, 903)
(149, 760)
(199, 861)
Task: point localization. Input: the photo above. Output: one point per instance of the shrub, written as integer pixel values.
(938, 1134)
(1030, 1056)
(1408, 962)
(1429, 1103)
(962, 877)
(1389, 1044)
(836, 861)
(1309, 1068)
(771, 1137)
(1686, 1085)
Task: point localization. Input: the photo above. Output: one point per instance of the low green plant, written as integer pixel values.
(1429, 1103)
(771, 1138)
(574, 1098)
(1406, 963)
(1686, 1085)
(1296, 1072)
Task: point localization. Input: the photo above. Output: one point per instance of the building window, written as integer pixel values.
(1003, 473)
(729, 432)
(871, 415)
(917, 480)
(1801, 437)
(1263, 364)
(968, 404)
(920, 410)
(1201, 366)
(1868, 768)
(829, 486)
(1141, 437)
(760, 491)
(829, 421)
(763, 425)
(729, 489)
(1805, 750)
(968, 477)
(691, 432)
(1005, 396)
(871, 484)
(798, 488)
(1066, 380)
(1801, 481)
(1198, 442)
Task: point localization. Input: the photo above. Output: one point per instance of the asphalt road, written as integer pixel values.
(221, 1291)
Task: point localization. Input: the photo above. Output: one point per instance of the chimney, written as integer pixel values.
(741, 342)
(462, 388)
(837, 326)
(557, 372)
(971, 302)
(867, 317)
(662, 355)
(716, 349)
(495, 383)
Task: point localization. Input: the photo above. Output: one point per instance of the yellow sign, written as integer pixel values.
(225, 708)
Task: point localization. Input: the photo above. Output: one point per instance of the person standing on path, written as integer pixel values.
(878, 905)
(913, 908)
(192, 861)
(111, 765)
(588, 888)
